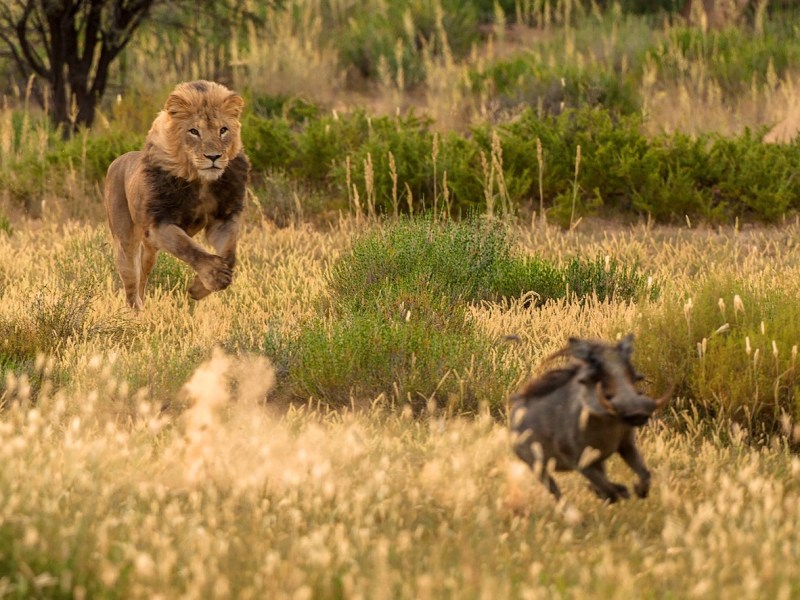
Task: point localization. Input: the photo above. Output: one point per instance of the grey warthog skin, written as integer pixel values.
(576, 416)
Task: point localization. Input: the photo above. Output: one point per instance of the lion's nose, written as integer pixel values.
(212, 157)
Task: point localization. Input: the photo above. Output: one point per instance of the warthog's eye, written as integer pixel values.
(223, 130)
(194, 132)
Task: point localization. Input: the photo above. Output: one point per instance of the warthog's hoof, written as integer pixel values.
(642, 489)
(611, 495)
(621, 490)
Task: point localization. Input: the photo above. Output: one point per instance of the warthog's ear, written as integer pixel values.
(584, 351)
(580, 349)
(625, 346)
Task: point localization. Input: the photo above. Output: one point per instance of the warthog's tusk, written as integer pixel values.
(604, 402)
(661, 401)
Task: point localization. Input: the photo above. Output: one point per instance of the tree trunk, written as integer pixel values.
(71, 44)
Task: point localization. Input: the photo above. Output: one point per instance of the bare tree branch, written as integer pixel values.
(33, 60)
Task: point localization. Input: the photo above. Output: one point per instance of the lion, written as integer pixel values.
(191, 175)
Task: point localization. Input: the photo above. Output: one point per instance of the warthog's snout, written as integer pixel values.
(576, 416)
(637, 411)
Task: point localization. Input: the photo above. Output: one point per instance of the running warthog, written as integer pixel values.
(579, 415)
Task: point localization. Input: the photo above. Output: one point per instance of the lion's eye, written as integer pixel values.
(194, 132)
(223, 130)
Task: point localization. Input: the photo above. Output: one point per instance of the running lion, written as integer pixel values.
(190, 176)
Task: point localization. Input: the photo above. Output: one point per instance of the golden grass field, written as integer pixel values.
(164, 466)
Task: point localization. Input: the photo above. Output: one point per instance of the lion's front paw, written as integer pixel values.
(215, 274)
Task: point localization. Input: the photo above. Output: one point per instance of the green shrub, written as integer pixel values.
(395, 320)
(668, 177)
(553, 88)
(460, 261)
(269, 142)
(729, 358)
(56, 316)
(608, 278)
(169, 273)
(468, 261)
(734, 58)
(410, 348)
(91, 154)
(5, 225)
(367, 35)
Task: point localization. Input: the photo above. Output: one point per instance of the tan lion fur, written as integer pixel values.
(190, 176)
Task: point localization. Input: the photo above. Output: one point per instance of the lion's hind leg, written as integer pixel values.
(128, 258)
(127, 238)
(146, 264)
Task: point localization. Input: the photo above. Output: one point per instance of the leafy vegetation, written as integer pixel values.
(395, 322)
(734, 349)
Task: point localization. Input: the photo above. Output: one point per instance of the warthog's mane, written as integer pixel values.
(549, 382)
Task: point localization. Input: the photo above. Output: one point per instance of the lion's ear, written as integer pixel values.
(233, 105)
(176, 105)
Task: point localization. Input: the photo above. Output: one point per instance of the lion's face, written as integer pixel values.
(198, 132)
(208, 140)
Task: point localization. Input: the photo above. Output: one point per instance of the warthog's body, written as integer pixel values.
(576, 417)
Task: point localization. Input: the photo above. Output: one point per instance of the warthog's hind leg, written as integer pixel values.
(538, 465)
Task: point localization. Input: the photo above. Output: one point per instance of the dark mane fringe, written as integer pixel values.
(548, 382)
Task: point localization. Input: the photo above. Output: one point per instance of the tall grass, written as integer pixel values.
(140, 461)
(235, 499)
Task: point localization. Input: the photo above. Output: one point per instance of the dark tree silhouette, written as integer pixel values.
(71, 44)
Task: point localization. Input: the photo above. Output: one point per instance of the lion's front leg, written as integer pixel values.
(213, 271)
(222, 235)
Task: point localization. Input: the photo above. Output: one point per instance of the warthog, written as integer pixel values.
(576, 416)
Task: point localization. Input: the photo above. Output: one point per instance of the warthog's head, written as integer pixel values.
(610, 378)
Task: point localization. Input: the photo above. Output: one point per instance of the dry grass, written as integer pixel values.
(161, 468)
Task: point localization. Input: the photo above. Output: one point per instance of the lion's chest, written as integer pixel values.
(191, 205)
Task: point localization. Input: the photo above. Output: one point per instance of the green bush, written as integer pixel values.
(527, 80)
(410, 348)
(269, 142)
(729, 358)
(395, 321)
(624, 172)
(91, 154)
(734, 57)
(367, 34)
(55, 317)
(469, 261)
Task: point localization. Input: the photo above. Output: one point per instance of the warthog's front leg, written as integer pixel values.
(222, 236)
(630, 454)
(213, 271)
(605, 489)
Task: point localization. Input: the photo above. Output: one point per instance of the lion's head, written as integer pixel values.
(198, 131)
